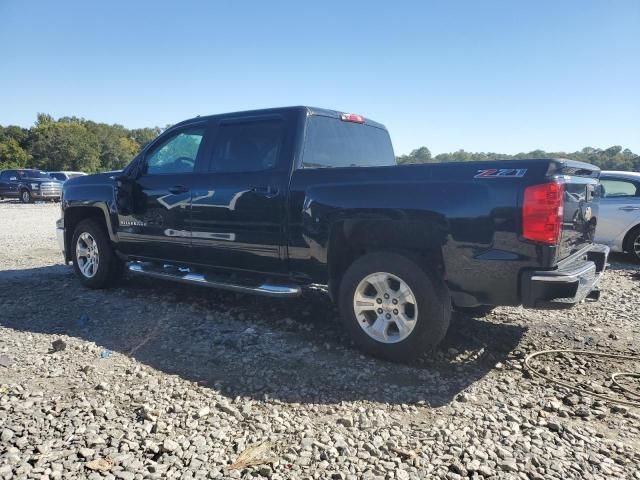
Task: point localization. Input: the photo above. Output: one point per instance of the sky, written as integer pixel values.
(499, 76)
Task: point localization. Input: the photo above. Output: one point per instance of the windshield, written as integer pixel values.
(331, 142)
(58, 176)
(32, 174)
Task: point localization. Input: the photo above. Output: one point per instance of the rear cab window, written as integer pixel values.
(331, 142)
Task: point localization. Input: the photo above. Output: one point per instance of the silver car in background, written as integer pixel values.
(619, 212)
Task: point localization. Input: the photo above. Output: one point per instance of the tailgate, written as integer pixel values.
(580, 205)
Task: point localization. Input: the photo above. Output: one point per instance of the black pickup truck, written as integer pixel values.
(269, 201)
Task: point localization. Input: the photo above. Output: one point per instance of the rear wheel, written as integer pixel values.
(25, 196)
(94, 260)
(392, 308)
(632, 244)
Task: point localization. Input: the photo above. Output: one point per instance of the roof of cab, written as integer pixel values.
(324, 112)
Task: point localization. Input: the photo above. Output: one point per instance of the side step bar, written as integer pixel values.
(184, 275)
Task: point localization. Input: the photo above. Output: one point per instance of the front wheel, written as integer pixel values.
(94, 260)
(25, 196)
(392, 307)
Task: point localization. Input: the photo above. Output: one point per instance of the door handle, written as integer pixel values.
(176, 189)
(629, 208)
(266, 191)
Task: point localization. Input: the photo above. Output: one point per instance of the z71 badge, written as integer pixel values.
(501, 173)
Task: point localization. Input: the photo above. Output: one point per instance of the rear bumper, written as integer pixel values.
(573, 281)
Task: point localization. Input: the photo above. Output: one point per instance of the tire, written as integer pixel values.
(425, 316)
(25, 196)
(476, 312)
(632, 244)
(106, 267)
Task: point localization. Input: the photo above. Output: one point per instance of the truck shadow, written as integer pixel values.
(289, 350)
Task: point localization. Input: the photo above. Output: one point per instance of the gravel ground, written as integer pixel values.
(160, 380)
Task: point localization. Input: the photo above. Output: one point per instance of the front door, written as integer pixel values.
(158, 226)
(238, 205)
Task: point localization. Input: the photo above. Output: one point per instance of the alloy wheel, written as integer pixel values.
(385, 307)
(87, 255)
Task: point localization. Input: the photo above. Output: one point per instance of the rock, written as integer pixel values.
(473, 466)
(21, 442)
(265, 471)
(6, 435)
(93, 440)
(5, 361)
(402, 475)
(345, 421)
(58, 345)
(169, 445)
(86, 452)
(124, 475)
(554, 426)
(203, 412)
(508, 465)
(457, 467)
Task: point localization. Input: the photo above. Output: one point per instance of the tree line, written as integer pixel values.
(612, 158)
(72, 143)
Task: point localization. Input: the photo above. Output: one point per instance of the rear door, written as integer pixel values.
(159, 226)
(238, 204)
(619, 209)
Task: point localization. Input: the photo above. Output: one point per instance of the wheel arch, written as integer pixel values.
(76, 214)
(351, 239)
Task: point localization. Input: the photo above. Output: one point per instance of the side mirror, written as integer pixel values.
(123, 191)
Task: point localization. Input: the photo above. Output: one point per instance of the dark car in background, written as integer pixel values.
(29, 185)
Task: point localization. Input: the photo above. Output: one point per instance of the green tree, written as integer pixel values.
(12, 155)
(65, 145)
(419, 155)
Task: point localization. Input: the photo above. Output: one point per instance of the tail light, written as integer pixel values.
(542, 212)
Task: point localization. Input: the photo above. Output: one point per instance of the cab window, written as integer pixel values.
(247, 146)
(176, 154)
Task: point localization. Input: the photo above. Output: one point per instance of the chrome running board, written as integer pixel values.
(184, 275)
